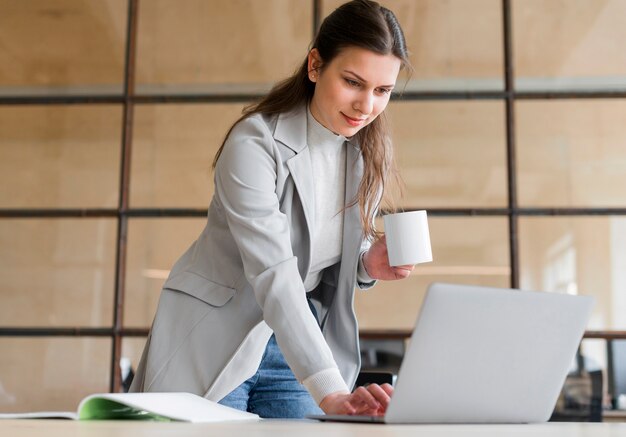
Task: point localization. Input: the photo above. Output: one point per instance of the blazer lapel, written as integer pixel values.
(340, 326)
(291, 130)
(302, 173)
(352, 232)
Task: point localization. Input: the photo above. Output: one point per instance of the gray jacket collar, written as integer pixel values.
(291, 130)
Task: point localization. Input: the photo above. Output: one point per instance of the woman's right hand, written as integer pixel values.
(376, 263)
(371, 400)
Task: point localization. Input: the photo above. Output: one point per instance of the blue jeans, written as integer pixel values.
(273, 391)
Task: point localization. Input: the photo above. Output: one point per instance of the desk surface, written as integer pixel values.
(272, 428)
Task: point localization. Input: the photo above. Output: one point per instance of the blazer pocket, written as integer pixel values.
(214, 294)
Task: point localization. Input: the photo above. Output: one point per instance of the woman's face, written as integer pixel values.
(352, 89)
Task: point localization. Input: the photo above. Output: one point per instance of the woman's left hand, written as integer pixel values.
(376, 263)
(371, 400)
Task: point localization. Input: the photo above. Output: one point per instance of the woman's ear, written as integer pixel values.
(314, 64)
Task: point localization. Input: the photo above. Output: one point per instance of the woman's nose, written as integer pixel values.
(365, 103)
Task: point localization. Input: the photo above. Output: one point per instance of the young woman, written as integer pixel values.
(258, 313)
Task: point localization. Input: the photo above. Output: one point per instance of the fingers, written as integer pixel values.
(380, 395)
(338, 403)
(348, 408)
(388, 389)
(402, 272)
(372, 400)
(364, 395)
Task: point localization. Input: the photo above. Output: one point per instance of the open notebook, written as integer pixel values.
(165, 407)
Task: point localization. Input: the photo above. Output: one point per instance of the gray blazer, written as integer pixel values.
(242, 279)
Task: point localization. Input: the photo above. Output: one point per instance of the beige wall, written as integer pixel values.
(569, 43)
(59, 272)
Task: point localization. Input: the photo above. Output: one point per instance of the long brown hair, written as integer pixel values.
(358, 23)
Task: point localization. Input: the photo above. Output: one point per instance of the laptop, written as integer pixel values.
(485, 355)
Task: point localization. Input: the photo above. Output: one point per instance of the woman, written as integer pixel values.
(258, 313)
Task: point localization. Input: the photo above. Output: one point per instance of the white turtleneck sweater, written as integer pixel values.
(328, 161)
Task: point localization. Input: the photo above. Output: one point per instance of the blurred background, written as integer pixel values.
(511, 133)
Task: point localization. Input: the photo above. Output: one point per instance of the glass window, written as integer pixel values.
(594, 352)
(465, 251)
(220, 45)
(154, 245)
(569, 44)
(451, 154)
(454, 44)
(58, 156)
(62, 47)
(51, 374)
(132, 348)
(57, 272)
(173, 151)
(578, 255)
(571, 153)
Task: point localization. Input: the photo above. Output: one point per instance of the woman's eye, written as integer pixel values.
(351, 82)
(384, 90)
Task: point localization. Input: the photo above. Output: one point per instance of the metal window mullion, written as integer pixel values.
(407, 96)
(317, 16)
(510, 141)
(122, 228)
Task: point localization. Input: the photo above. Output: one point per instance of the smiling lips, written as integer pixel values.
(353, 121)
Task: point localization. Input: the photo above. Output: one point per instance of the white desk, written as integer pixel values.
(272, 428)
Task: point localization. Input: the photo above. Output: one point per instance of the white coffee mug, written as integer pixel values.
(408, 239)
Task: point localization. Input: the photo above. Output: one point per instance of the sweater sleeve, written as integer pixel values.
(361, 275)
